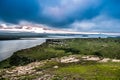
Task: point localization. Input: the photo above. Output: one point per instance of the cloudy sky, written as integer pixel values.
(77, 15)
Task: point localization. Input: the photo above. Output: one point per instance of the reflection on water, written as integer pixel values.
(8, 47)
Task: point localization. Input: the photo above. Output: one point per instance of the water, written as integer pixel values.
(8, 47)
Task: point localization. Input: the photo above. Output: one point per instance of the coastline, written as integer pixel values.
(54, 58)
(9, 47)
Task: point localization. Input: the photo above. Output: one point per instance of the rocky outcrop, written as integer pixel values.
(30, 69)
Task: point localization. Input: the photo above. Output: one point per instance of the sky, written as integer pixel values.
(75, 15)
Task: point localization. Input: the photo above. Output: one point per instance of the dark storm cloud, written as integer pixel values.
(57, 13)
(16, 10)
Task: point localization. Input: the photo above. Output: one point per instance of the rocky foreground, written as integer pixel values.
(38, 70)
(65, 59)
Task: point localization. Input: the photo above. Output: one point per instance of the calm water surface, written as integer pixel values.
(8, 47)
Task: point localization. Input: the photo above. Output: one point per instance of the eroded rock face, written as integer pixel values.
(27, 69)
(98, 59)
(91, 58)
(69, 59)
(15, 73)
(115, 60)
(22, 70)
(105, 60)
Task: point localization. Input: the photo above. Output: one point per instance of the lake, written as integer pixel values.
(8, 47)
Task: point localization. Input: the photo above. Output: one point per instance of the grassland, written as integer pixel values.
(104, 71)
(84, 70)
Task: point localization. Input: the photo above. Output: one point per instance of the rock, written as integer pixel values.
(9, 72)
(56, 67)
(115, 60)
(105, 60)
(91, 58)
(85, 57)
(69, 59)
(22, 70)
(45, 77)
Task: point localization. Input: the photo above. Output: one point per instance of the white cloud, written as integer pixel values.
(82, 25)
(100, 23)
(67, 7)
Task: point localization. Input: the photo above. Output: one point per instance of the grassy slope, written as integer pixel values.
(57, 48)
(103, 71)
(76, 71)
(101, 47)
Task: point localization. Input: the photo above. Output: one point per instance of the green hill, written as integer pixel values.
(109, 47)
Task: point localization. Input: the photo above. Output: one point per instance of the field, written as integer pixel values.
(104, 71)
(82, 70)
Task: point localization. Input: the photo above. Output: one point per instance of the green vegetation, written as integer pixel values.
(103, 71)
(83, 70)
(109, 47)
(27, 77)
(100, 47)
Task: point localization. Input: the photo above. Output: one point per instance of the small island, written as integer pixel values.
(65, 59)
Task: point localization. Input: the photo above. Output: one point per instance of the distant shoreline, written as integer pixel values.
(8, 47)
(58, 42)
(58, 59)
